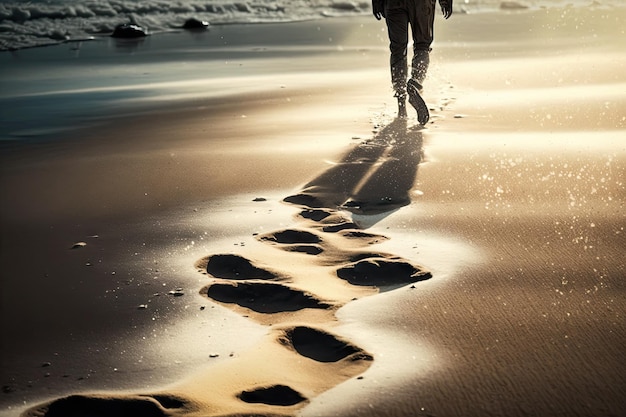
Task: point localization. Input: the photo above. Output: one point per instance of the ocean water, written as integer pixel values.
(74, 83)
(43, 22)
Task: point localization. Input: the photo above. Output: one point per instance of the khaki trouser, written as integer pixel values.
(420, 16)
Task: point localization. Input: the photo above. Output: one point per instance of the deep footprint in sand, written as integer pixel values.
(317, 215)
(263, 297)
(230, 266)
(294, 240)
(290, 236)
(321, 346)
(382, 271)
(334, 228)
(104, 406)
(364, 237)
(308, 249)
(324, 216)
(280, 395)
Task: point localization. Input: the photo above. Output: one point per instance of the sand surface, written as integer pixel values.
(252, 232)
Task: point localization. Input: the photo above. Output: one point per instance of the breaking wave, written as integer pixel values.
(27, 24)
(43, 22)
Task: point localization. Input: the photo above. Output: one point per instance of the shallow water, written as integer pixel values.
(47, 90)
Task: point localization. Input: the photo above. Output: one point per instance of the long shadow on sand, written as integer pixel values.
(374, 177)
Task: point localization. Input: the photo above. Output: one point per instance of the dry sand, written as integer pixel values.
(474, 267)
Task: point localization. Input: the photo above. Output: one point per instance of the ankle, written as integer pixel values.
(402, 107)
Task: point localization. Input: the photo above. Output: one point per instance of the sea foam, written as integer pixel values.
(26, 24)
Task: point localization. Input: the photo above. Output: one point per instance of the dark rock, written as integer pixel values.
(129, 31)
(195, 24)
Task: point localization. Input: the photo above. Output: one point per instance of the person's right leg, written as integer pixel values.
(422, 18)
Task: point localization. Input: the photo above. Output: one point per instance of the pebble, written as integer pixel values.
(79, 245)
(177, 292)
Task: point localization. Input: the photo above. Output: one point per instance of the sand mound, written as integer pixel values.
(381, 272)
(358, 256)
(103, 406)
(263, 298)
(320, 345)
(274, 395)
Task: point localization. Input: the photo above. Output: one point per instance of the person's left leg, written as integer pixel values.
(421, 18)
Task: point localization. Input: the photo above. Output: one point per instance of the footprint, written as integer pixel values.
(103, 406)
(367, 238)
(334, 228)
(320, 345)
(263, 297)
(316, 215)
(308, 249)
(229, 266)
(295, 240)
(382, 272)
(289, 236)
(274, 395)
(324, 216)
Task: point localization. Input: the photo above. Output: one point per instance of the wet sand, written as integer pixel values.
(292, 249)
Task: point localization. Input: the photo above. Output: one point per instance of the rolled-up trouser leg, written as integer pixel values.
(419, 66)
(397, 20)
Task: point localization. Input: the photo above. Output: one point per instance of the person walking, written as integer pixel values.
(420, 16)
